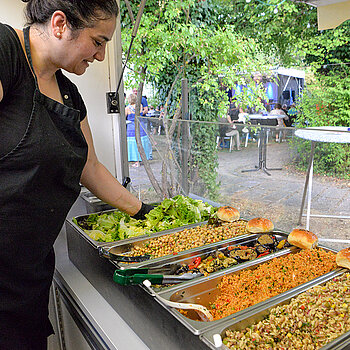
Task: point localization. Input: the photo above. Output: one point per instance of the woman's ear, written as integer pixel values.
(58, 24)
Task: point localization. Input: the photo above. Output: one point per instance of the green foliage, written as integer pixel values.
(204, 160)
(188, 39)
(326, 102)
(218, 43)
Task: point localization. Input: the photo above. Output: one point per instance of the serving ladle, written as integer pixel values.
(201, 310)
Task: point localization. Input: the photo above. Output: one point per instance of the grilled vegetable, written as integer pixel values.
(244, 255)
(267, 240)
(260, 249)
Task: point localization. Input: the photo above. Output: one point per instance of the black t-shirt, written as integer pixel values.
(233, 111)
(18, 87)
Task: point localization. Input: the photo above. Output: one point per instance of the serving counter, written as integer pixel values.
(112, 316)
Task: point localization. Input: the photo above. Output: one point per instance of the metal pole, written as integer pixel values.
(307, 181)
(309, 195)
(118, 119)
(185, 135)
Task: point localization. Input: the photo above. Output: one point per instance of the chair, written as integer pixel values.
(226, 138)
(245, 130)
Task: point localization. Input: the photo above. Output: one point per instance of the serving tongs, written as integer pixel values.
(127, 277)
(122, 258)
(203, 313)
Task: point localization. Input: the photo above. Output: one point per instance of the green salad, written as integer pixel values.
(170, 213)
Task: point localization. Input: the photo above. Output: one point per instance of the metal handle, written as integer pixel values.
(104, 253)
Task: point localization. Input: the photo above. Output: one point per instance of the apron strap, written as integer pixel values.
(29, 56)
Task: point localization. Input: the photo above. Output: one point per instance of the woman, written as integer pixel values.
(46, 148)
(281, 122)
(133, 152)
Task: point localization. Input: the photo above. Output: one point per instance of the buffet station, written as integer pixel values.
(196, 276)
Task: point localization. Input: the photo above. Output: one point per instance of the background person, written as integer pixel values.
(232, 131)
(133, 152)
(144, 103)
(227, 128)
(292, 113)
(280, 121)
(46, 149)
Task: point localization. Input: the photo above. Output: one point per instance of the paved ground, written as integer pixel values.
(277, 197)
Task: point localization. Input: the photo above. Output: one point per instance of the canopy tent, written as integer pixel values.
(290, 84)
(283, 85)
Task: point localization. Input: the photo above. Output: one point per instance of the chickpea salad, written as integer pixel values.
(188, 239)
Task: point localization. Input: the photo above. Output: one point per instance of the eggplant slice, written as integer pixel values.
(260, 249)
(244, 254)
(268, 241)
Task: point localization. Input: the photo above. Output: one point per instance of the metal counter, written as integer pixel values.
(113, 316)
(100, 324)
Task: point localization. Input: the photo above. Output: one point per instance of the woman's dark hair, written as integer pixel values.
(80, 13)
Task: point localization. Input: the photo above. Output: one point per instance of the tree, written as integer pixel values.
(183, 40)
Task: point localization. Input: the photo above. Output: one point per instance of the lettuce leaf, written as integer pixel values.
(170, 213)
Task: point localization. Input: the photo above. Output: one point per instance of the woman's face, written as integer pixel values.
(79, 49)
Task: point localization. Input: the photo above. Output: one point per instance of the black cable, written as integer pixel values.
(133, 36)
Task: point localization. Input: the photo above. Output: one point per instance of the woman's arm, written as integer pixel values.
(229, 119)
(102, 183)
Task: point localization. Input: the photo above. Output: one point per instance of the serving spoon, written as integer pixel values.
(201, 310)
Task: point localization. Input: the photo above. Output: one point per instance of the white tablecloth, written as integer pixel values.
(260, 116)
(338, 134)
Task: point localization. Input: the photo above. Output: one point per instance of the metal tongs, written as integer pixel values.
(122, 258)
(126, 277)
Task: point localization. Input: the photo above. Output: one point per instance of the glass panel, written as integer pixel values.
(263, 177)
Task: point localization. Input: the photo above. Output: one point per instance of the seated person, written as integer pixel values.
(280, 121)
(242, 116)
(223, 128)
(234, 132)
(292, 113)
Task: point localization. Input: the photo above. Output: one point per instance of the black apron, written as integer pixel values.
(39, 182)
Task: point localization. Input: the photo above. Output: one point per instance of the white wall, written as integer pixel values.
(92, 85)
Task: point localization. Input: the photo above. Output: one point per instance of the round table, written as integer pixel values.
(336, 134)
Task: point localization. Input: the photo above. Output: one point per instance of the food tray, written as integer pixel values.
(126, 246)
(249, 318)
(71, 226)
(205, 291)
(186, 258)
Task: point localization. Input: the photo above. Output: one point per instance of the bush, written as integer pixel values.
(325, 102)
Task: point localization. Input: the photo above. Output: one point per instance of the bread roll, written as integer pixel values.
(260, 225)
(343, 258)
(303, 239)
(228, 213)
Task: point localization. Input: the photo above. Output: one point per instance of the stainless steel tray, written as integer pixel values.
(205, 291)
(249, 318)
(71, 226)
(187, 257)
(125, 246)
